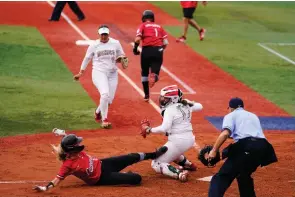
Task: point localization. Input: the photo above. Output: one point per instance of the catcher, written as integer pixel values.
(91, 170)
(177, 114)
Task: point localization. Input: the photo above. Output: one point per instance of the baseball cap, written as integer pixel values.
(103, 29)
(236, 102)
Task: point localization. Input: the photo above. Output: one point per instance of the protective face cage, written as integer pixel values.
(71, 144)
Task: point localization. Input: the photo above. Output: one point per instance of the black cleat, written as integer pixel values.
(146, 98)
(161, 151)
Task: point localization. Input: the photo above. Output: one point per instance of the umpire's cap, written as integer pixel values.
(235, 103)
(70, 144)
(148, 14)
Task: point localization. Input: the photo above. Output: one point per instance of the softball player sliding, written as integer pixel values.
(177, 126)
(105, 53)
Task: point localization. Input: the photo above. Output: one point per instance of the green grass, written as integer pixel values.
(233, 31)
(36, 90)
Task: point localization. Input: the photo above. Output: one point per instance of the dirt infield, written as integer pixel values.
(29, 158)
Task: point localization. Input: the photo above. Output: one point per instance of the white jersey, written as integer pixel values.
(104, 55)
(177, 119)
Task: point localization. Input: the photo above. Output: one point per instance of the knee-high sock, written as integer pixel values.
(104, 105)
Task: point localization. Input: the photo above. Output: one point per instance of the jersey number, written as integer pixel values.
(156, 32)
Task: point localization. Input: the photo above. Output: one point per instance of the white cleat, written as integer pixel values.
(59, 132)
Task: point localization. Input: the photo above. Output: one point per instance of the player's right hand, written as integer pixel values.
(77, 76)
(40, 188)
(136, 52)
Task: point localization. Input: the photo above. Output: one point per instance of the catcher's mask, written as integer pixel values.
(169, 95)
(71, 144)
(148, 14)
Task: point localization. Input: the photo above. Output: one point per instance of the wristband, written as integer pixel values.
(50, 184)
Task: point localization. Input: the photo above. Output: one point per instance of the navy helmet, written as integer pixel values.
(148, 14)
(71, 144)
(236, 102)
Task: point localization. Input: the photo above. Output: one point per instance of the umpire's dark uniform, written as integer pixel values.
(249, 151)
(59, 6)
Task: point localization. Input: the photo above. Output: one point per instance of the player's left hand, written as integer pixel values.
(124, 61)
(40, 188)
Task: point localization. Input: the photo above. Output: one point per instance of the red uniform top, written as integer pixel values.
(84, 167)
(151, 34)
(189, 4)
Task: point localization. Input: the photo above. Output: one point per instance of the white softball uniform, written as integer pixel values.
(177, 125)
(104, 70)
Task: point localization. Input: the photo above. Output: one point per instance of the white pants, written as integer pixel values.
(106, 83)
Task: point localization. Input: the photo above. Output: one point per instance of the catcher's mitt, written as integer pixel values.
(145, 127)
(203, 156)
(124, 61)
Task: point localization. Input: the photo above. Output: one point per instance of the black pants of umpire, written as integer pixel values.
(242, 161)
(111, 167)
(59, 6)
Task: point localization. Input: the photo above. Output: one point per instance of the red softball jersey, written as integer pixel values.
(151, 34)
(189, 4)
(84, 167)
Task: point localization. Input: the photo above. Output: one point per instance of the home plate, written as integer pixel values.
(207, 178)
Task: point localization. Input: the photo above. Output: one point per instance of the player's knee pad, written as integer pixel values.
(166, 169)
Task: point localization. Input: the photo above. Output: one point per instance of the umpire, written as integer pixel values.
(59, 6)
(154, 41)
(249, 151)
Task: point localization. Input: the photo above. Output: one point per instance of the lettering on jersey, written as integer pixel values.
(185, 112)
(105, 52)
(89, 170)
(152, 25)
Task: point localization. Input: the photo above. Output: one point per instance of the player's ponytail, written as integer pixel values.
(58, 151)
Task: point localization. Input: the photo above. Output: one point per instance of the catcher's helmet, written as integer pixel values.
(70, 144)
(148, 14)
(170, 95)
(235, 103)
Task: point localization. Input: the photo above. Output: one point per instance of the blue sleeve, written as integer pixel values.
(228, 123)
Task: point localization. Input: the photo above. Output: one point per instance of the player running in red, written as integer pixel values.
(154, 41)
(94, 171)
(188, 8)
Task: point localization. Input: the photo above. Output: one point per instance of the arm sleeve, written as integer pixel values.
(89, 55)
(166, 124)
(64, 171)
(119, 50)
(197, 107)
(139, 31)
(228, 123)
(164, 33)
